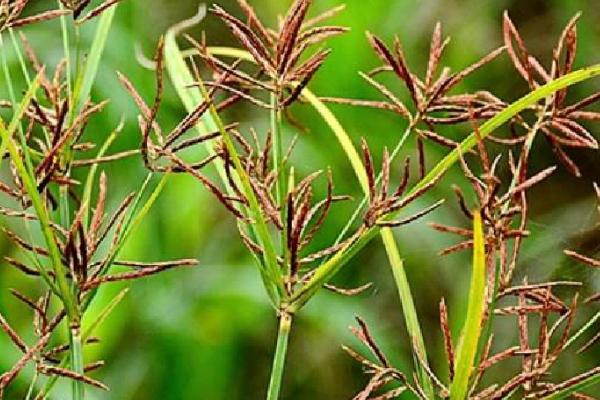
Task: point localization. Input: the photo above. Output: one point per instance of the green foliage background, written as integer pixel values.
(208, 332)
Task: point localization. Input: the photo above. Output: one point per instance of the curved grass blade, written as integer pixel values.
(342, 137)
(580, 382)
(181, 78)
(396, 264)
(28, 180)
(467, 347)
(86, 78)
(328, 269)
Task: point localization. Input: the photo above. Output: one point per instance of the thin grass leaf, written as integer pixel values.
(328, 269)
(576, 384)
(28, 180)
(98, 320)
(89, 182)
(342, 137)
(408, 305)
(471, 331)
(181, 78)
(85, 80)
(102, 315)
(583, 329)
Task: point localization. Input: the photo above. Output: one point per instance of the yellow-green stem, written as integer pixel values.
(283, 335)
(77, 362)
(408, 306)
(278, 168)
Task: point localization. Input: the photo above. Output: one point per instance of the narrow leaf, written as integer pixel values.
(467, 347)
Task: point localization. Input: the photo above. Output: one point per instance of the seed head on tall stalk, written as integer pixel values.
(46, 139)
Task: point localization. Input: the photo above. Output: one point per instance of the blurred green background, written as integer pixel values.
(208, 332)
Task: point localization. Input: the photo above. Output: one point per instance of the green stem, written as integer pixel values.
(77, 363)
(280, 190)
(408, 307)
(25, 173)
(22, 63)
(275, 118)
(273, 273)
(32, 385)
(328, 269)
(66, 49)
(283, 335)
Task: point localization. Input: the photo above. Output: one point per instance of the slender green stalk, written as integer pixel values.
(32, 385)
(341, 136)
(66, 49)
(328, 269)
(583, 329)
(283, 336)
(275, 121)
(278, 168)
(85, 77)
(181, 78)
(77, 363)
(22, 63)
(26, 176)
(408, 307)
(87, 333)
(6, 71)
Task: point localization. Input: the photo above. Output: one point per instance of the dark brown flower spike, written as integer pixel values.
(448, 346)
(382, 373)
(87, 240)
(432, 101)
(278, 54)
(381, 202)
(561, 124)
(10, 14)
(78, 6)
(95, 12)
(433, 105)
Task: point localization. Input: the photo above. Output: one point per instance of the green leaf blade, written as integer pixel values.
(476, 307)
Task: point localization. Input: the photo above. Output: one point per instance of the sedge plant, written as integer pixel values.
(276, 210)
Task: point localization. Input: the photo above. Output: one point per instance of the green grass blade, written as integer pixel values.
(28, 179)
(406, 299)
(408, 307)
(469, 340)
(89, 181)
(181, 78)
(328, 269)
(87, 76)
(342, 137)
(583, 329)
(103, 315)
(588, 379)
